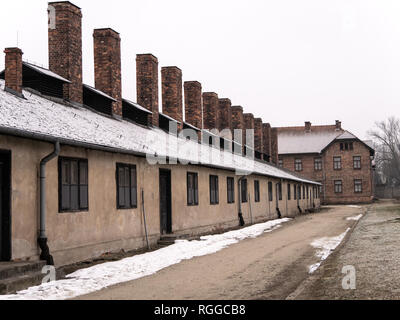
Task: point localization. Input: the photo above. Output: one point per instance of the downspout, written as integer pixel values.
(241, 220)
(42, 240)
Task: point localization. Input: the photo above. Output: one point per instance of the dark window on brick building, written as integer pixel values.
(281, 163)
(192, 189)
(73, 185)
(270, 191)
(231, 189)
(298, 165)
(214, 190)
(318, 164)
(257, 191)
(357, 163)
(358, 187)
(126, 186)
(289, 192)
(244, 191)
(337, 163)
(338, 186)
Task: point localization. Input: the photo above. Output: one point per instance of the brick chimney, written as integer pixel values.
(274, 146)
(258, 135)
(308, 126)
(147, 85)
(193, 104)
(210, 110)
(267, 142)
(13, 70)
(238, 121)
(338, 125)
(225, 114)
(65, 48)
(172, 100)
(107, 65)
(248, 124)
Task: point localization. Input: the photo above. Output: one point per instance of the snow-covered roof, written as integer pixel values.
(168, 117)
(137, 106)
(99, 92)
(45, 72)
(47, 120)
(346, 136)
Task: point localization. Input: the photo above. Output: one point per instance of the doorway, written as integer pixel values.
(5, 205)
(165, 202)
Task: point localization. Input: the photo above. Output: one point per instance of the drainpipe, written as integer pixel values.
(241, 220)
(42, 240)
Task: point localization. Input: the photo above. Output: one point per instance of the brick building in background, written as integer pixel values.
(332, 156)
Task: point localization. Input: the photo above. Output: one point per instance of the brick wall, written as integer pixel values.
(193, 104)
(65, 48)
(172, 102)
(225, 114)
(238, 120)
(258, 135)
(274, 146)
(147, 85)
(210, 110)
(107, 65)
(13, 69)
(267, 146)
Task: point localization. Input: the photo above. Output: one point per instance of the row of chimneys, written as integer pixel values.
(202, 110)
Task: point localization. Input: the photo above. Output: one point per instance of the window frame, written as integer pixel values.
(230, 191)
(243, 184)
(336, 183)
(214, 194)
(289, 188)
(270, 192)
(195, 189)
(298, 165)
(317, 164)
(340, 167)
(360, 184)
(280, 191)
(257, 195)
(359, 162)
(130, 167)
(78, 184)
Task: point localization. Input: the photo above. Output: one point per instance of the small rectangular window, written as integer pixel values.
(358, 186)
(214, 190)
(126, 186)
(318, 164)
(337, 163)
(308, 192)
(257, 191)
(304, 192)
(338, 186)
(298, 165)
(192, 189)
(270, 191)
(73, 185)
(279, 187)
(231, 189)
(289, 193)
(357, 163)
(244, 191)
(295, 192)
(281, 163)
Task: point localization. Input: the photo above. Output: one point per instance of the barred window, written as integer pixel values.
(214, 190)
(73, 185)
(357, 163)
(318, 164)
(338, 186)
(298, 165)
(231, 189)
(192, 189)
(257, 191)
(126, 186)
(337, 163)
(358, 186)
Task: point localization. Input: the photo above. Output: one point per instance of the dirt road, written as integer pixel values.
(373, 249)
(269, 267)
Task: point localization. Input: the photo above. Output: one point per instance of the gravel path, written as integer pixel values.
(374, 250)
(268, 267)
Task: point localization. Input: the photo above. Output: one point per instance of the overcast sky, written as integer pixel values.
(287, 61)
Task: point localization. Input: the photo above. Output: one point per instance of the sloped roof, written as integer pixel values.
(137, 106)
(40, 118)
(101, 93)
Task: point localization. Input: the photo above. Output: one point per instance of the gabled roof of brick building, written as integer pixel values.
(41, 118)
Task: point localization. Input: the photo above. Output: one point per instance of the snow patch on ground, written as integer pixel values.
(101, 276)
(325, 247)
(356, 218)
(352, 206)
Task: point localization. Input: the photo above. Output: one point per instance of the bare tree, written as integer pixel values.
(386, 136)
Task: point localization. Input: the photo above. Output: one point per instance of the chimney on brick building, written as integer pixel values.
(193, 104)
(238, 122)
(274, 146)
(308, 126)
(249, 125)
(225, 114)
(267, 142)
(107, 65)
(172, 100)
(65, 47)
(13, 70)
(210, 110)
(338, 125)
(258, 135)
(147, 85)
